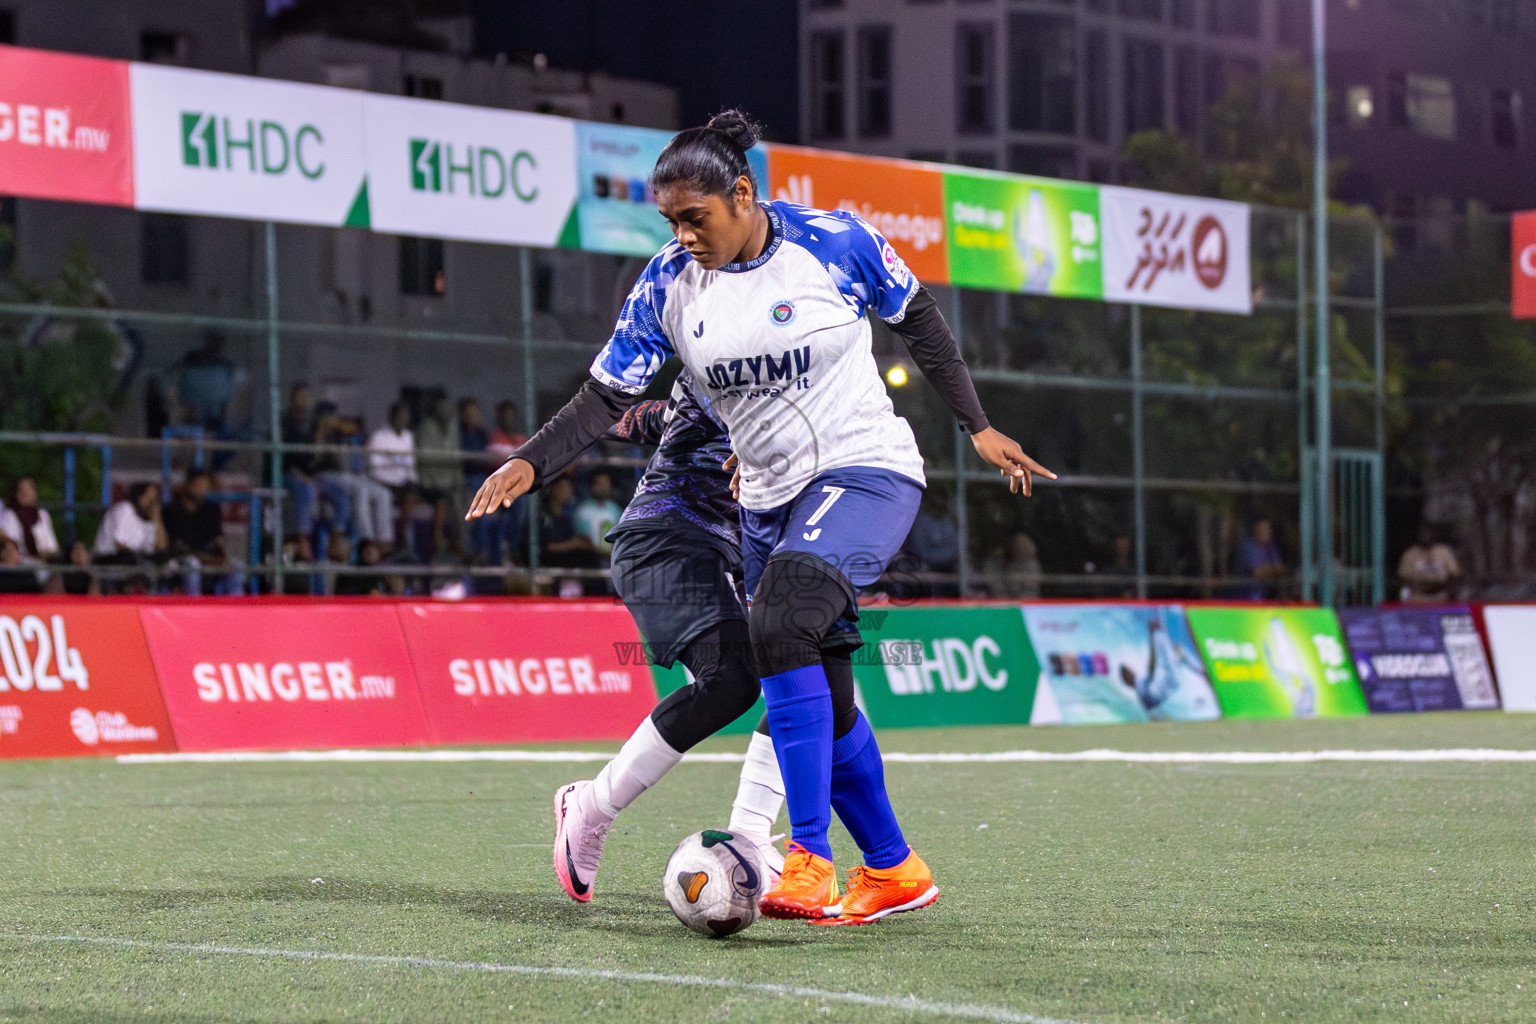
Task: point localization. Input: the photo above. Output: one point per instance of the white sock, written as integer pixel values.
(642, 761)
(760, 796)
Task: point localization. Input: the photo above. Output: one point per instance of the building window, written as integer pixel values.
(7, 27)
(164, 250)
(875, 81)
(1042, 74)
(421, 266)
(160, 47)
(973, 78)
(976, 158)
(1152, 10)
(928, 156)
(1186, 91)
(1360, 106)
(1143, 85)
(1403, 213)
(1096, 86)
(1184, 13)
(544, 286)
(1236, 18)
(425, 87)
(1424, 103)
(1506, 116)
(827, 85)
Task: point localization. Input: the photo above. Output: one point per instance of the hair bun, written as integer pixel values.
(738, 127)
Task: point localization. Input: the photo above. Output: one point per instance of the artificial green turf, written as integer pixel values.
(1095, 892)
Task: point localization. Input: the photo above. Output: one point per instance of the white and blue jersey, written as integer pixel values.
(782, 346)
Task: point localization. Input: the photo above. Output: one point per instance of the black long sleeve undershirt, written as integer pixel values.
(937, 354)
(585, 418)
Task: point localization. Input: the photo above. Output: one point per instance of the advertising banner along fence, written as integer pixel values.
(1166, 250)
(256, 148)
(1018, 234)
(1117, 663)
(201, 142)
(65, 127)
(901, 200)
(1277, 662)
(527, 673)
(76, 678)
(945, 665)
(1512, 641)
(1522, 254)
(1419, 659)
(239, 676)
(450, 171)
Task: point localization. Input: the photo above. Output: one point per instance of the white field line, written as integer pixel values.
(1467, 754)
(908, 1004)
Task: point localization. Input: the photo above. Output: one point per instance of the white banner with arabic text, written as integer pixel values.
(1179, 251)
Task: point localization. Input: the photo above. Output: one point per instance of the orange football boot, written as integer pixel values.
(874, 893)
(807, 887)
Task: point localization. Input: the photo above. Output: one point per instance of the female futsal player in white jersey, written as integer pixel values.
(765, 303)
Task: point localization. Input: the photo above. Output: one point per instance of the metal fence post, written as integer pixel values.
(962, 519)
(1138, 454)
(1379, 498)
(1306, 512)
(530, 393)
(274, 409)
(1323, 344)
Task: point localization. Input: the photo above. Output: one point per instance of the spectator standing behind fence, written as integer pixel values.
(300, 472)
(1429, 570)
(504, 528)
(1259, 560)
(439, 465)
(1015, 572)
(597, 514)
(561, 546)
(372, 510)
(77, 578)
(194, 529)
(28, 524)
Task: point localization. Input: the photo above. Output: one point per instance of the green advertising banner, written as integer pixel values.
(946, 665)
(1277, 662)
(1018, 234)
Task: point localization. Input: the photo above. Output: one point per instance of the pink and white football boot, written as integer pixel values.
(579, 835)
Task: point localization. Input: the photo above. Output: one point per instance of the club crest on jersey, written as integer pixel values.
(782, 313)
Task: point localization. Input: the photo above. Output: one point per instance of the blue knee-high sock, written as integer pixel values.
(859, 797)
(800, 719)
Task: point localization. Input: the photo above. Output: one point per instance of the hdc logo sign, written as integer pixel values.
(478, 170)
(208, 140)
(77, 679)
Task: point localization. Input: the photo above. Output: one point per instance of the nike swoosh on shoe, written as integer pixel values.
(570, 869)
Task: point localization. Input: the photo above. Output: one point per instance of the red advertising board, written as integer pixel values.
(75, 678)
(1522, 253)
(65, 127)
(528, 673)
(258, 676)
(903, 201)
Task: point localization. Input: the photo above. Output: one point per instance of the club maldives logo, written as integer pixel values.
(1210, 245)
(10, 719)
(95, 727)
(257, 147)
(483, 171)
(782, 313)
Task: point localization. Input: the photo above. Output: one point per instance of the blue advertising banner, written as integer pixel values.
(1419, 659)
(1117, 663)
(615, 208)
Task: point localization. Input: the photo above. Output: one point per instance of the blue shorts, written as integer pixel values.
(854, 519)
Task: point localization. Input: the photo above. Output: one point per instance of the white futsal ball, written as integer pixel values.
(713, 882)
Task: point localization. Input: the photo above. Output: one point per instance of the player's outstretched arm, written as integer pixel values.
(585, 418)
(937, 354)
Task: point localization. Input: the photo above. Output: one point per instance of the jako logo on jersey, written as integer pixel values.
(699, 331)
(264, 147)
(763, 369)
(472, 170)
(956, 665)
(782, 313)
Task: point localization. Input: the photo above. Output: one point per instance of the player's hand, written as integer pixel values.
(1004, 452)
(502, 488)
(734, 465)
